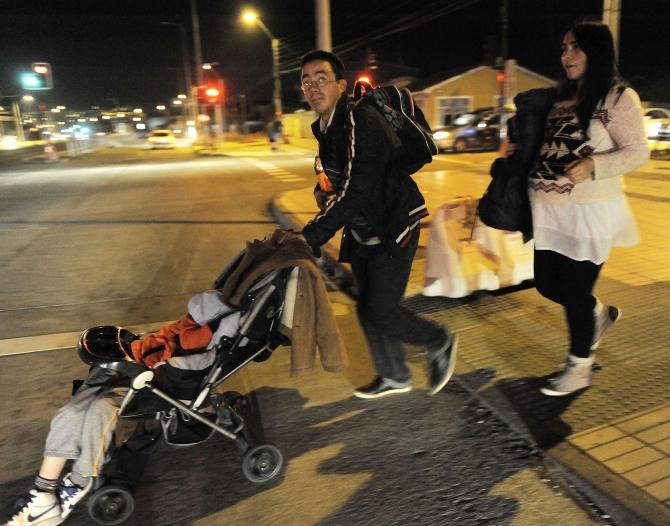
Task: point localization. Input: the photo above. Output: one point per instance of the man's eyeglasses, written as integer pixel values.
(318, 83)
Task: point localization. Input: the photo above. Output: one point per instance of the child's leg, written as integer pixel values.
(52, 467)
(97, 431)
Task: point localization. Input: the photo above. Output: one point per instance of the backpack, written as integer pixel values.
(405, 118)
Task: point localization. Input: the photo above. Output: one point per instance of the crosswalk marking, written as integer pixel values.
(275, 171)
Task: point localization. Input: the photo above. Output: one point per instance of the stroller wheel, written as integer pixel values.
(111, 505)
(262, 464)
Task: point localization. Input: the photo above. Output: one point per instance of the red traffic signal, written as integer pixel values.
(209, 94)
(500, 77)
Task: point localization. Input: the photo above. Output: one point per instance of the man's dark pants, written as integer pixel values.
(381, 278)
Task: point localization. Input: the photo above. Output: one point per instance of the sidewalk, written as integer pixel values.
(258, 145)
(612, 441)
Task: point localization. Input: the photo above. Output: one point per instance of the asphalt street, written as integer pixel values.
(125, 236)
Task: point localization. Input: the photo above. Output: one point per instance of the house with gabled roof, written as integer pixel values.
(446, 95)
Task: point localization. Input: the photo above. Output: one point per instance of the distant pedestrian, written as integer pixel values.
(379, 205)
(275, 132)
(594, 134)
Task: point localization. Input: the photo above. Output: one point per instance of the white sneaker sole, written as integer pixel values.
(551, 392)
(398, 390)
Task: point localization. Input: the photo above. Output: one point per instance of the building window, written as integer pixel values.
(448, 108)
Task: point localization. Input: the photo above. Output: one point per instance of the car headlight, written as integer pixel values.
(654, 129)
(439, 135)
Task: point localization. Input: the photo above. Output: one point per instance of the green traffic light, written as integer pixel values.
(39, 78)
(31, 81)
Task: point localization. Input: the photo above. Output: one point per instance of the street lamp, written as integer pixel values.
(251, 17)
(187, 68)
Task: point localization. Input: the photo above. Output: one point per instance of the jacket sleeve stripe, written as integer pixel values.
(347, 172)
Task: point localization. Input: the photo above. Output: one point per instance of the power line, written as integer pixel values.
(428, 13)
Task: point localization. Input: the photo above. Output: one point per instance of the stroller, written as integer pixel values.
(184, 401)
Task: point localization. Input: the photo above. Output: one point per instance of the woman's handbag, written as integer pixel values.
(505, 204)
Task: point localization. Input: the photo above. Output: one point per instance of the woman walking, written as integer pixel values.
(594, 134)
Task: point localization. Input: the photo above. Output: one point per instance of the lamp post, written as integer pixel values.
(191, 107)
(251, 17)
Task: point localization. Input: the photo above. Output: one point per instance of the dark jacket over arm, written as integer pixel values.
(361, 147)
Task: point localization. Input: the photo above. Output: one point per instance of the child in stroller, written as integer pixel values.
(156, 377)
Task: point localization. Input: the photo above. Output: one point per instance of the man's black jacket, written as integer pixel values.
(359, 152)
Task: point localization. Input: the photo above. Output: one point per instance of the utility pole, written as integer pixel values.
(504, 28)
(323, 35)
(276, 78)
(197, 48)
(612, 19)
(16, 111)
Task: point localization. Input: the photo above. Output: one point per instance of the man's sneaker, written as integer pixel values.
(70, 494)
(381, 387)
(604, 320)
(573, 378)
(441, 364)
(38, 508)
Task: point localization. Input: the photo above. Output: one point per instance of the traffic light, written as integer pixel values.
(209, 94)
(500, 77)
(38, 78)
(372, 61)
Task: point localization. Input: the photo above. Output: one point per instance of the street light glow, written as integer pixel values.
(249, 16)
(27, 98)
(137, 110)
(181, 96)
(160, 107)
(176, 102)
(207, 66)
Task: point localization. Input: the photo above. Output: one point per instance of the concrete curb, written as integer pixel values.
(624, 503)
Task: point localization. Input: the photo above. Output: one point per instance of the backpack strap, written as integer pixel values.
(361, 88)
(407, 102)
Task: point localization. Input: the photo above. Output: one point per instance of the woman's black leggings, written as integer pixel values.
(570, 283)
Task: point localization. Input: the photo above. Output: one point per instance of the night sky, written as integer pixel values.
(116, 52)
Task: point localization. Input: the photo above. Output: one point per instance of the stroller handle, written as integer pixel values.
(258, 305)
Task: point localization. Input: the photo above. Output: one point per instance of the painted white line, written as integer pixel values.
(58, 341)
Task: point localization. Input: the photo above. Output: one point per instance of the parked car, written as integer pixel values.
(657, 124)
(161, 139)
(470, 131)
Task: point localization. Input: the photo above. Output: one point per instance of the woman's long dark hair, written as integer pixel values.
(595, 40)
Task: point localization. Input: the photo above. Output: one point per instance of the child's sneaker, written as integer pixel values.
(70, 494)
(38, 508)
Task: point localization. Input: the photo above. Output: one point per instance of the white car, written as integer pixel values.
(657, 124)
(161, 139)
